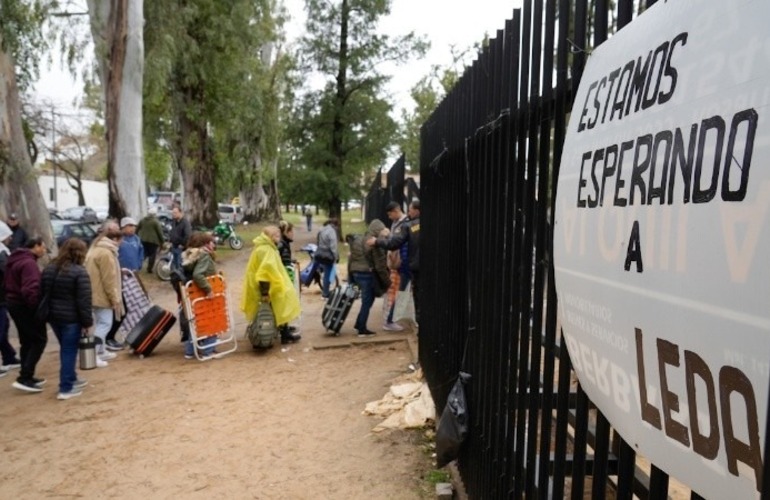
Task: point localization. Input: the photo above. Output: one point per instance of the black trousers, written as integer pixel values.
(150, 252)
(32, 338)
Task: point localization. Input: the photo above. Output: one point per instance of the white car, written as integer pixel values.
(102, 213)
(230, 213)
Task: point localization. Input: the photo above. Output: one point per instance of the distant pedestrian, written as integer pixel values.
(327, 254)
(9, 359)
(180, 233)
(19, 237)
(69, 313)
(309, 219)
(150, 232)
(22, 293)
(131, 251)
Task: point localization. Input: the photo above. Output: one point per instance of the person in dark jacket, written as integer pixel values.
(22, 294)
(19, 234)
(408, 233)
(180, 233)
(288, 333)
(368, 268)
(69, 310)
(150, 232)
(7, 351)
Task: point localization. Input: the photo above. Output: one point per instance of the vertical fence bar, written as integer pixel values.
(626, 468)
(544, 272)
(533, 293)
(579, 469)
(511, 208)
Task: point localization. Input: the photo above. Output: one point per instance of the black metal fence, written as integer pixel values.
(397, 188)
(489, 163)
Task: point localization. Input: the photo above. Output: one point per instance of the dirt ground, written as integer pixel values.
(285, 423)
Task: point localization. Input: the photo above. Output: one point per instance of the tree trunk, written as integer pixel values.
(116, 26)
(254, 199)
(197, 170)
(19, 191)
(338, 123)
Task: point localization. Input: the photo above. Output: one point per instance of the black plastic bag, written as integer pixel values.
(453, 424)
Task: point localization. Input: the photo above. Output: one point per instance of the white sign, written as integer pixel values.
(662, 238)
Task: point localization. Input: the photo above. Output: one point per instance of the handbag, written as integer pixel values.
(404, 305)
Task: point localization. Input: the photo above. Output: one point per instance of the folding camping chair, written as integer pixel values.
(209, 318)
(136, 300)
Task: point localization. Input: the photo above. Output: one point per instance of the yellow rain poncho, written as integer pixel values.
(265, 265)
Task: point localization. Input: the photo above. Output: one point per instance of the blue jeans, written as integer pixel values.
(7, 351)
(202, 343)
(329, 272)
(69, 339)
(365, 282)
(176, 257)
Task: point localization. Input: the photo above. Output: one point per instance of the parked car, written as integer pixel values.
(66, 229)
(82, 213)
(54, 214)
(230, 213)
(102, 213)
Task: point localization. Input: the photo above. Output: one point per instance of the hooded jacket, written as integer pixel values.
(408, 232)
(199, 264)
(265, 265)
(5, 233)
(104, 270)
(149, 230)
(366, 259)
(22, 278)
(70, 296)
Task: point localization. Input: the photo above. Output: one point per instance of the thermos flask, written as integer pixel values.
(87, 348)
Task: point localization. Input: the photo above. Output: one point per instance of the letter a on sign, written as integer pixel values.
(634, 252)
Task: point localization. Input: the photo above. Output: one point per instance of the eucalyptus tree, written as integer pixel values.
(343, 127)
(21, 42)
(205, 95)
(116, 27)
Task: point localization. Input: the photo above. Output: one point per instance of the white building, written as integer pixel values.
(58, 194)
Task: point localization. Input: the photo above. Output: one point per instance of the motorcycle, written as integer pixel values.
(313, 273)
(163, 262)
(225, 232)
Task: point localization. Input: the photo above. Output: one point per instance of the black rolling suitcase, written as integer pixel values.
(338, 306)
(150, 330)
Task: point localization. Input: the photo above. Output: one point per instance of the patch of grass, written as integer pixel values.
(436, 476)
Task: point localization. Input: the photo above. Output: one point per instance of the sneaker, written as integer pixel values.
(69, 395)
(13, 365)
(392, 327)
(79, 384)
(100, 363)
(3, 373)
(366, 333)
(291, 338)
(189, 356)
(107, 355)
(114, 345)
(39, 382)
(27, 386)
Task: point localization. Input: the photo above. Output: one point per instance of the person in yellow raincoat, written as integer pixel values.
(265, 274)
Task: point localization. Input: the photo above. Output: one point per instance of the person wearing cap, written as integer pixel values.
(7, 351)
(106, 286)
(19, 237)
(131, 251)
(398, 263)
(150, 232)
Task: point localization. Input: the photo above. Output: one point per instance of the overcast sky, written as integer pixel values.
(444, 22)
